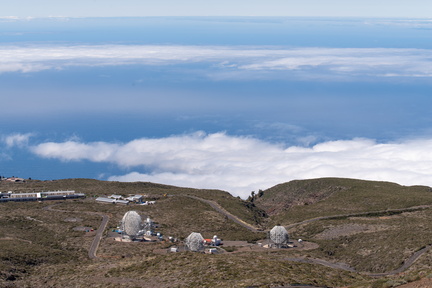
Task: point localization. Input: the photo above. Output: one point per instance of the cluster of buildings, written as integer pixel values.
(12, 179)
(119, 199)
(133, 228)
(39, 196)
(277, 238)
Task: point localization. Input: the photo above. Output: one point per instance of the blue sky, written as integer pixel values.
(131, 8)
(234, 103)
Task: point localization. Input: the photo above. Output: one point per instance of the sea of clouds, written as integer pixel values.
(381, 62)
(240, 164)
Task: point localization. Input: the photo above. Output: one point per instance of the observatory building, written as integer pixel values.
(195, 242)
(131, 225)
(279, 236)
(148, 227)
(134, 228)
(39, 196)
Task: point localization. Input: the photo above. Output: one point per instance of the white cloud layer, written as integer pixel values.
(16, 139)
(243, 164)
(385, 62)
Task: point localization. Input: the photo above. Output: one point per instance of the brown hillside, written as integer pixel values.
(333, 196)
(94, 188)
(298, 192)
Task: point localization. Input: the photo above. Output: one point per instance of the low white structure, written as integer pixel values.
(112, 201)
(216, 241)
(135, 198)
(40, 196)
(14, 179)
(148, 203)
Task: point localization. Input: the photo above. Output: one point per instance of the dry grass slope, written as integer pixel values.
(305, 199)
(41, 248)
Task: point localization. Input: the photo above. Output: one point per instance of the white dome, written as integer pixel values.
(195, 242)
(279, 235)
(131, 223)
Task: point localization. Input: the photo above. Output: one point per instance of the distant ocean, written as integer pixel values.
(284, 81)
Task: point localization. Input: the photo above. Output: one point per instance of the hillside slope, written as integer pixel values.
(304, 199)
(42, 247)
(92, 188)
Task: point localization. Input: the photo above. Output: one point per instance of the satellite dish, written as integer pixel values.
(131, 224)
(195, 242)
(279, 236)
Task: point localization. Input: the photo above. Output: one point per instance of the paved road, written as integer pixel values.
(99, 232)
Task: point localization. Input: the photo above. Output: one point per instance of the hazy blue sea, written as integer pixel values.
(57, 100)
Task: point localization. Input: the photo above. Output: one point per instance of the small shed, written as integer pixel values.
(135, 198)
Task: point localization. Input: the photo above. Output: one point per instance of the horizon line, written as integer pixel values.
(13, 17)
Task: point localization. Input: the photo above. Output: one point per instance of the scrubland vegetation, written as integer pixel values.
(42, 247)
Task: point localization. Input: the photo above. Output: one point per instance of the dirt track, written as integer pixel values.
(414, 208)
(99, 232)
(230, 216)
(105, 218)
(346, 267)
(341, 266)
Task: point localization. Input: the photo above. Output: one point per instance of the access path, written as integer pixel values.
(346, 267)
(398, 210)
(341, 266)
(99, 232)
(224, 212)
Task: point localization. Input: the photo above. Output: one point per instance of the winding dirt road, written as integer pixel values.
(346, 267)
(230, 216)
(414, 208)
(105, 219)
(342, 266)
(250, 227)
(406, 264)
